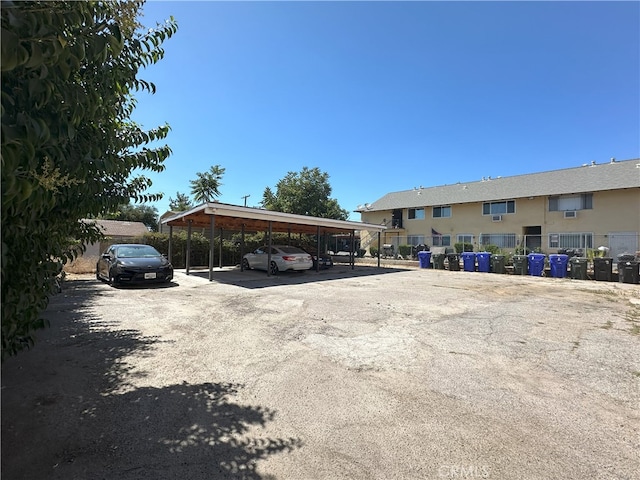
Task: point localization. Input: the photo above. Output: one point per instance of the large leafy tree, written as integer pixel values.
(180, 203)
(306, 192)
(69, 148)
(207, 186)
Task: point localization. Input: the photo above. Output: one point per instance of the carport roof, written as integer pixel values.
(234, 217)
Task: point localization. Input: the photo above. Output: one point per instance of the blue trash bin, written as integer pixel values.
(484, 261)
(536, 264)
(424, 258)
(468, 261)
(558, 264)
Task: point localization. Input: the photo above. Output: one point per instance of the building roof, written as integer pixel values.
(118, 228)
(235, 217)
(587, 178)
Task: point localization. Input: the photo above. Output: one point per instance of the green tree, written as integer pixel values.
(69, 148)
(207, 186)
(305, 193)
(127, 212)
(180, 203)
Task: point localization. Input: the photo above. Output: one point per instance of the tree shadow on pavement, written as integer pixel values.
(68, 410)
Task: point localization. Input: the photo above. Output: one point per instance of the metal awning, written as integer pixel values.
(228, 217)
(235, 217)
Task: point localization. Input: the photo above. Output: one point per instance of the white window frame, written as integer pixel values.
(502, 240)
(464, 238)
(448, 208)
(506, 207)
(568, 240)
(415, 240)
(567, 203)
(441, 240)
(415, 211)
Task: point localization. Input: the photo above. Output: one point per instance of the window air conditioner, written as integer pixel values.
(496, 218)
(570, 214)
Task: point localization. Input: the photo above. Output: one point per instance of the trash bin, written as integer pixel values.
(536, 264)
(628, 272)
(484, 261)
(558, 264)
(469, 261)
(454, 261)
(578, 268)
(438, 261)
(626, 257)
(602, 267)
(520, 264)
(424, 258)
(497, 264)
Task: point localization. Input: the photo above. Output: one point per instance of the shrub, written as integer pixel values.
(373, 251)
(460, 247)
(492, 249)
(404, 250)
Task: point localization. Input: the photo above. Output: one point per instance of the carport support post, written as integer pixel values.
(241, 247)
(269, 251)
(318, 248)
(220, 259)
(353, 245)
(170, 253)
(212, 226)
(187, 262)
(379, 249)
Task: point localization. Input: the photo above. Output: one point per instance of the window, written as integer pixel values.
(442, 212)
(571, 240)
(499, 208)
(415, 240)
(416, 214)
(502, 240)
(464, 238)
(442, 241)
(571, 202)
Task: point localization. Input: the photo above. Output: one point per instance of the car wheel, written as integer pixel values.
(273, 270)
(113, 280)
(245, 264)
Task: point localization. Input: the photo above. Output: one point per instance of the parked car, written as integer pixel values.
(133, 263)
(283, 257)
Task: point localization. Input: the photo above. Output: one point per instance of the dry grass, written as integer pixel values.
(81, 265)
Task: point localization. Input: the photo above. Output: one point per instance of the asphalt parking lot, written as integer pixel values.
(343, 374)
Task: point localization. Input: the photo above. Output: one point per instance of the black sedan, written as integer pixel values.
(133, 263)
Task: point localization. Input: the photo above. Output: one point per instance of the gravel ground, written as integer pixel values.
(365, 374)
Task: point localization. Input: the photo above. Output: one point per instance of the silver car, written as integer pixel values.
(283, 257)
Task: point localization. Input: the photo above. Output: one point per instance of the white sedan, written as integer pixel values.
(283, 257)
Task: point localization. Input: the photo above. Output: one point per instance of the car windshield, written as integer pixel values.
(291, 250)
(137, 251)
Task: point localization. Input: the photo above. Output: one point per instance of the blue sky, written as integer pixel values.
(387, 96)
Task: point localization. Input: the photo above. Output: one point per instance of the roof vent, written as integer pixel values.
(593, 163)
(613, 160)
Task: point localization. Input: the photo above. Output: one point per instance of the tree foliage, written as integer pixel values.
(69, 148)
(207, 186)
(181, 203)
(305, 193)
(147, 214)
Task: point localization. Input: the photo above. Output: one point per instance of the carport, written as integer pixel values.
(227, 217)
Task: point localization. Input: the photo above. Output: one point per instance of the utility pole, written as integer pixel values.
(245, 199)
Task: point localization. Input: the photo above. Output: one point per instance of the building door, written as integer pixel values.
(622, 242)
(532, 238)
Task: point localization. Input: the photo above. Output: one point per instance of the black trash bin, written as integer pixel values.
(628, 272)
(520, 264)
(497, 263)
(438, 261)
(602, 268)
(454, 261)
(578, 268)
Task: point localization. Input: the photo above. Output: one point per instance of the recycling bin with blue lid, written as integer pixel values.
(468, 261)
(424, 258)
(558, 265)
(536, 264)
(484, 261)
